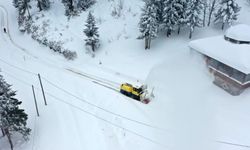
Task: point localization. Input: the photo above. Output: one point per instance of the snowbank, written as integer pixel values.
(239, 32)
(234, 55)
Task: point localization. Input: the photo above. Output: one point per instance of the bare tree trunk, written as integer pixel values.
(28, 13)
(211, 10)
(168, 33)
(204, 13)
(179, 29)
(222, 27)
(146, 43)
(2, 132)
(39, 5)
(149, 43)
(71, 6)
(190, 34)
(93, 47)
(9, 138)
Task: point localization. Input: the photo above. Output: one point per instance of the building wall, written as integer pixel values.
(228, 78)
(248, 78)
(228, 85)
(229, 71)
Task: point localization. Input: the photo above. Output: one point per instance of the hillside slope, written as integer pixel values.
(188, 111)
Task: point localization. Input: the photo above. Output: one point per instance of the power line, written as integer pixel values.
(233, 144)
(22, 81)
(24, 70)
(109, 122)
(83, 100)
(103, 109)
(93, 115)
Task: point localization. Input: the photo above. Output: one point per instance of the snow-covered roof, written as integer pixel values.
(234, 55)
(239, 32)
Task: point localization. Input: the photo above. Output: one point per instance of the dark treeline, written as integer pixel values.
(173, 15)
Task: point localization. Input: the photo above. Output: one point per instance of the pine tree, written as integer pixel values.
(91, 33)
(24, 16)
(23, 7)
(159, 4)
(172, 15)
(12, 118)
(15, 3)
(85, 4)
(70, 7)
(43, 4)
(227, 12)
(182, 15)
(148, 23)
(193, 19)
(21, 22)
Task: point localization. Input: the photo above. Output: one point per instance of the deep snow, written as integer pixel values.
(231, 54)
(239, 32)
(193, 112)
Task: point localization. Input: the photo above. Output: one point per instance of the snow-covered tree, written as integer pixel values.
(117, 7)
(227, 12)
(12, 118)
(193, 18)
(21, 22)
(24, 16)
(173, 14)
(91, 32)
(85, 4)
(159, 4)
(15, 3)
(23, 7)
(182, 7)
(170, 16)
(148, 25)
(70, 7)
(43, 4)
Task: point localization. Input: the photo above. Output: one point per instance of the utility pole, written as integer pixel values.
(44, 98)
(35, 100)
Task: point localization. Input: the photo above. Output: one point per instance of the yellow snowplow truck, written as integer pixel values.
(133, 92)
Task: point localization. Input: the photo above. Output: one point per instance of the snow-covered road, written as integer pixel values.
(84, 115)
(24, 77)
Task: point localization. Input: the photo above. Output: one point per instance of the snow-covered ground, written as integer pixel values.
(188, 111)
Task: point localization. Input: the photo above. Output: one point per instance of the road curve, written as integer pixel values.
(5, 24)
